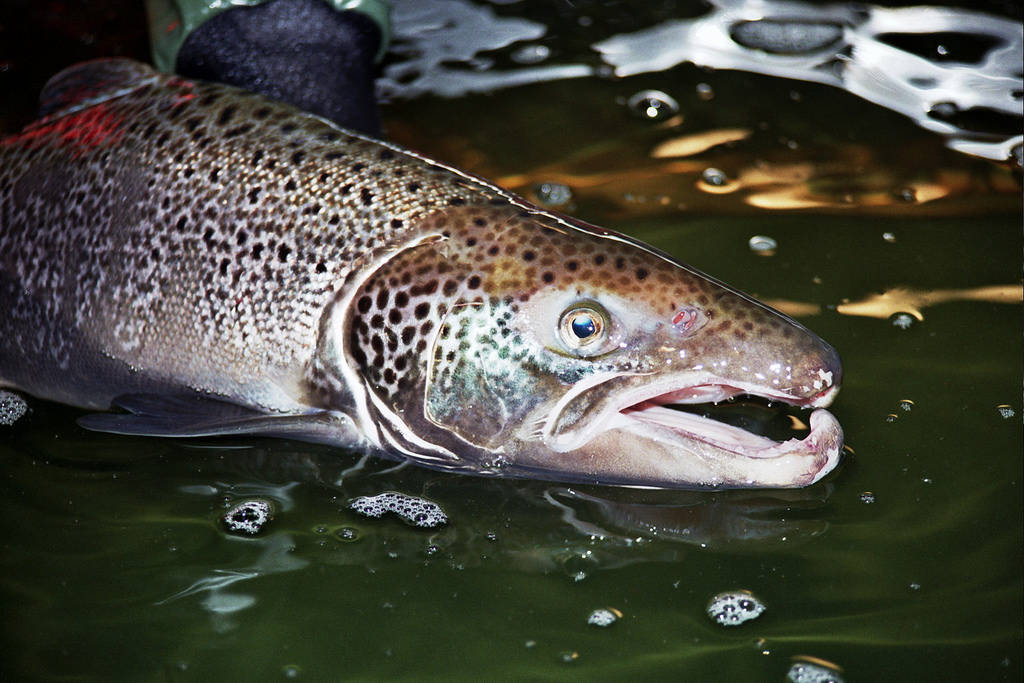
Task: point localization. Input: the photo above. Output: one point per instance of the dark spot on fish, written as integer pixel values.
(449, 287)
(456, 201)
(479, 222)
(421, 345)
(620, 263)
(324, 177)
(254, 194)
(193, 123)
(548, 277)
(321, 268)
(366, 196)
(356, 168)
(572, 265)
(378, 345)
(402, 299)
(346, 188)
(162, 140)
(401, 362)
(364, 304)
(214, 175)
(426, 327)
(282, 252)
(287, 128)
(408, 334)
(413, 187)
(331, 156)
(471, 242)
(529, 255)
(238, 130)
(493, 251)
(641, 274)
(225, 114)
(473, 282)
(396, 223)
(297, 157)
(261, 113)
(389, 375)
(386, 154)
(599, 259)
(224, 266)
(377, 321)
(421, 310)
(290, 186)
(257, 250)
(394, 316)
(257, 155)
(382, 298)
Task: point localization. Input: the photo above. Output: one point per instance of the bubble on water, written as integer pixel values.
(531, 54)
(530, 644)
(291, 670)
(569, 656)
(1006, 411)
(248, 517)
(732, 608)
(906, 405)
(714, 177)
(903, 321)
(889, 237)
(786, 37)
(813, 670)
(892, 417)
(552, 194)
(412, 510)
(867, 497)
(653, 105)
(606, 616)
(347, 534)
(762, 245)
(12, 408)
(705, 92)
(915, 586)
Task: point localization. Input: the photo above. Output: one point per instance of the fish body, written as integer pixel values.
(217, 263)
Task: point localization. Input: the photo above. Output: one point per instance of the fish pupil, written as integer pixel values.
(583, 326)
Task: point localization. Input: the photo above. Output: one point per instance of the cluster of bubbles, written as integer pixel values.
(12, 408)
(412, 510)
(606, 616)
(817, 671)
(732, 608)
(248, 517)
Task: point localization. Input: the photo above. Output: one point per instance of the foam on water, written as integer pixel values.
(412, 510)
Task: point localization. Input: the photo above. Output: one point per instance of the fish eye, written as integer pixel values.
(583, 326)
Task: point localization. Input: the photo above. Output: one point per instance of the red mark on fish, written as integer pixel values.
(82, 131)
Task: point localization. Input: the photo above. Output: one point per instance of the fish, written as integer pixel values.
(186, 259)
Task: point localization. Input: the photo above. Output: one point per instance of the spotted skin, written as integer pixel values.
(160, 236)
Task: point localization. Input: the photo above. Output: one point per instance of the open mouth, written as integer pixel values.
(739, 421)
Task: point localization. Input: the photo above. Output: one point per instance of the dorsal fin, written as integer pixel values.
(87, 83)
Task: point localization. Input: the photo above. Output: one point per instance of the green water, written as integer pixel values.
(903, 565)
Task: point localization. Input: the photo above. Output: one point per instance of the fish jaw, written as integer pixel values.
(654, 452)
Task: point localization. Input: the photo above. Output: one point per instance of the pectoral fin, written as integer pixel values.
(192, 416)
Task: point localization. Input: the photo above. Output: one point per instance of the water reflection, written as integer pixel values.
(953, 71)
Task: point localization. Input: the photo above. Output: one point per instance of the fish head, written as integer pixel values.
(511, 341)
